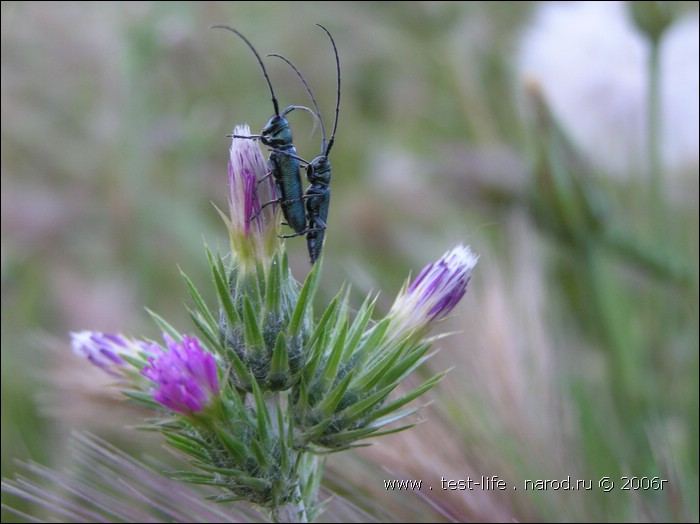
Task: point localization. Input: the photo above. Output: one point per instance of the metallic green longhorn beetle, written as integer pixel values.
(283, 163)
(318, 172)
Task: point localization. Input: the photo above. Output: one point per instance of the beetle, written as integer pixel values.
(283, 164)
(318, 172)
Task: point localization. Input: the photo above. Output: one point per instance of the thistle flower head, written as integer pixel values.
(434, 293)
(249, 221)
(185, 375)
(104, 349)
(343, 398)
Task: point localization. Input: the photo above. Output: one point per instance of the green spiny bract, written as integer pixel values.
(240, 448)
(351, 370)
(263, 325)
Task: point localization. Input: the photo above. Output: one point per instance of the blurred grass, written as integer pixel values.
(578, 345)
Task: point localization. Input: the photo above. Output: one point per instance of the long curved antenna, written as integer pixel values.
(315, 116)
(269, 84)
(337, 102)
(313, 99)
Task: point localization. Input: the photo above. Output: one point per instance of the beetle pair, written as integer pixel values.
(307, 213)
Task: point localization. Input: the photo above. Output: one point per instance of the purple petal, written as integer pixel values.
(185, 376)
(101, 349)
(435, 292)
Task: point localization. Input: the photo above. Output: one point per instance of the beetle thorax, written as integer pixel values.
(319, 171)
(277, 133)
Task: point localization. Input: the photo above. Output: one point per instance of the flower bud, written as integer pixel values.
(185, 375)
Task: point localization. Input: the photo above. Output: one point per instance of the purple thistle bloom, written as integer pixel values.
(246, 167)
(103, 349)
(185, 375)
(435, 292)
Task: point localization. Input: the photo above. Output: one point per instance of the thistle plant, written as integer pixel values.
(264, 389)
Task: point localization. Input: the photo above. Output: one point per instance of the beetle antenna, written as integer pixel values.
(337, 101)
(269, 84)
(313, 98)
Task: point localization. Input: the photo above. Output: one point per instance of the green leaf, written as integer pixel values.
(174, 424)
(263, 417)
(188, 445)
(222, 290)
(331, 401)
(359, 326)
(330, 370)
(406, 365)
(348, 436)
(393, 417)
(328, 451)
(141, 397)
(327, 319)
(237, 450)
(364, 407)
(280, 357)
(273, 292)
(302, 403)
(394, 348)
(393, 430)
(253, 334)
(164, 326)
(308, 290)
(260, 279)
(197, 478)
(262, 458)
(205, 329)
(240, 414)
(219, 471)
(198, 300)
(239, 368)
(225, 499)
(376, 372)
(371, 344)
(136, 362)
(318, 341)
(288, 285)
(314, 432)
(393, 406)
(254, 483)
(240, 478)
(285, 443)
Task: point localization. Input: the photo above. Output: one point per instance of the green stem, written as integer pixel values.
(291, 512)
(653, 136)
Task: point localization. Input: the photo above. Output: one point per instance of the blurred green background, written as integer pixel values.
(576, 347)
